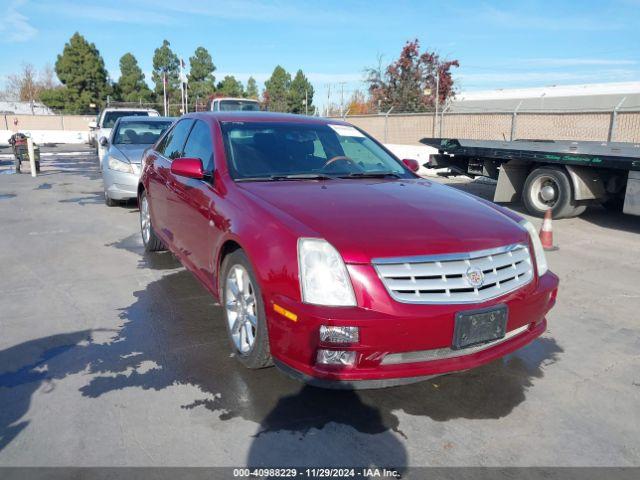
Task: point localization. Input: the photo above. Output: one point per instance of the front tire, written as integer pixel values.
(151, 242)
(108, 201)
(550, 188)
(244, 312)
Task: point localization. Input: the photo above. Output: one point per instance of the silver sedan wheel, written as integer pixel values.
(241, 308)
(145, 219)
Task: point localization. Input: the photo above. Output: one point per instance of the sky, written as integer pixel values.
(500, 44)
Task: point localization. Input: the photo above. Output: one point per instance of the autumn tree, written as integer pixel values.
(409, 84)
(165, 64)
(230, 87)
(359, 104)
(252, 89)
(276, 93)
(300, 98)
(201, 78)
(131, 86)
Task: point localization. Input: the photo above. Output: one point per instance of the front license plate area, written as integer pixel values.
(479, 326)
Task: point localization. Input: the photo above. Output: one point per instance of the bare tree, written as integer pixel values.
(27, 85)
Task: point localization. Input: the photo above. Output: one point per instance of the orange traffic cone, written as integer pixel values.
(546, 232)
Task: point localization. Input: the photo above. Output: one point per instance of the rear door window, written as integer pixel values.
(172, 146)
(200, 145)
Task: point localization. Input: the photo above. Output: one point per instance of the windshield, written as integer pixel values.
(110, 118)
(139, 132)
(235, 105)
(262, 151)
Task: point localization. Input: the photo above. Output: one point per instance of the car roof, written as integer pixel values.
(127, 109)
(246, 116)
(138, 118)
(253, 100)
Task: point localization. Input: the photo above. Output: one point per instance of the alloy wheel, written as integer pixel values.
(241, 308)
(145, 219)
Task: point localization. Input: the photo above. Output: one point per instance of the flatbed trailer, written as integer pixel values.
(564, 176)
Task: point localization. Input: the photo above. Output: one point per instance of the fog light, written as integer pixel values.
(339, 334)
(336, 357)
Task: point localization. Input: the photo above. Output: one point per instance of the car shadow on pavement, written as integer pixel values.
(157, 261)
(604, 218)
(174, 334)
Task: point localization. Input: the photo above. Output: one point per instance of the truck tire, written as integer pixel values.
(244, 312)
(151, 242)
(550, 188)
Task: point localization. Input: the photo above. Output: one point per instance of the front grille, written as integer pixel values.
(445, 278)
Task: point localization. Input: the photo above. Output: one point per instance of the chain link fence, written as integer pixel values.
(409, 128)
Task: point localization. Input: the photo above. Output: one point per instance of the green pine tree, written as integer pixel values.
(81, 70)
(252, 88)
(201, 78)
(277, 90)
(165, 62)
(300, 91)
(131, 86)
(230, 87)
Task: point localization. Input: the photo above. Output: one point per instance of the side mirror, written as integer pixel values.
(93, 125)
(104, 141)
(411, 164)
(188, 167)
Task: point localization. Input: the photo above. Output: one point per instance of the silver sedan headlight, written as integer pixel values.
(324, 279)
(538, 250)
(119, 165)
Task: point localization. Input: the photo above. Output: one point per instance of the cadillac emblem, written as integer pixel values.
(475, 277)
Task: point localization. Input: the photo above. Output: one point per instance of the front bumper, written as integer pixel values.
(414, 339)
(120, 185)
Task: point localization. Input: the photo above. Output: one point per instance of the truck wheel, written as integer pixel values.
(550, 188)
(151, 242)
(244, 312)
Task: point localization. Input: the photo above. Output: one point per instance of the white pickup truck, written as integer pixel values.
(102, 127)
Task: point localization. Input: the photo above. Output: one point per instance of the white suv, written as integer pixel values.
(230, 104)
(107, 118)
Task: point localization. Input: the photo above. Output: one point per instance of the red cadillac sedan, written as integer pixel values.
(332, 259)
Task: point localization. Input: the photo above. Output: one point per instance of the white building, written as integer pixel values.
(24, 108)
(590, 97)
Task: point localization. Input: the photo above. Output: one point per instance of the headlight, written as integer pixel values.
(323, 276)
(119, 166)
(541, 259)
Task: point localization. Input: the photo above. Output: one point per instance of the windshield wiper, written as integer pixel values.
(294, 176)
(370, 175)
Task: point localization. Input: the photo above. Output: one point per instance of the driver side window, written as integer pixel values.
(200, 145)
(172, 145)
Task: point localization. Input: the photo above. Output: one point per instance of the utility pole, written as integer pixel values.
(437, 93)
(342, 98)
(306, 102)
(327, 108)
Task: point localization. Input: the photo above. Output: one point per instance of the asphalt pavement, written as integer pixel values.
(111, 357)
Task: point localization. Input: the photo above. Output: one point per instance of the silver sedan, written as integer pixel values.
(130, 137)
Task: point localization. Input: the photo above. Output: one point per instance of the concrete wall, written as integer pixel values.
(410, 128)
(406, 129)
(46, 128)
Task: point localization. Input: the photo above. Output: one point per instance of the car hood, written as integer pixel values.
(133, 153)
(366, 219)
